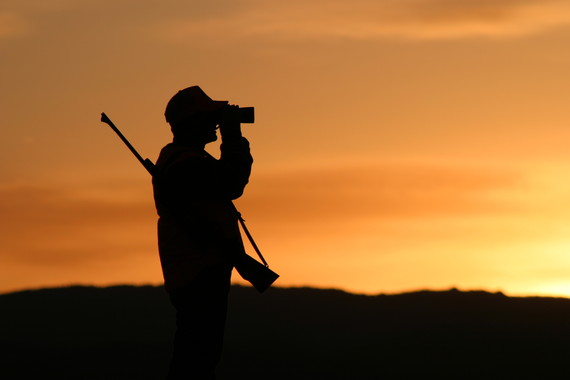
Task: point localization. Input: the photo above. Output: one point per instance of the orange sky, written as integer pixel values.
(399, 145)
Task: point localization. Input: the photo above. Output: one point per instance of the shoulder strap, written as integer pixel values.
(249, 237)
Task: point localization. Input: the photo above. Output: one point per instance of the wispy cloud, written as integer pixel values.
(371, 19)
(54, 227)
(381, 191)
(194, 21)
(11, 24)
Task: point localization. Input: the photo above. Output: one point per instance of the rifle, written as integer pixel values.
(251, 270)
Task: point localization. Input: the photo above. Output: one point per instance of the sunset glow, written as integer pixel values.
(398, 145)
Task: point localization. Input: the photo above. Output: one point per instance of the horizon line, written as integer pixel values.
(292, 287)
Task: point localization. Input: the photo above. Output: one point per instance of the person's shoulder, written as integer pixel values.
(177, 152)
(192, 155)
(185, 159)
(176, 155)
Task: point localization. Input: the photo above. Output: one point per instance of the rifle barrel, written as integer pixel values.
(105, 119)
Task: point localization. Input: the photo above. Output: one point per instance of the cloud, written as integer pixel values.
(57, 227)
(219, 21)
(11, 24)
(29, 17)
(465, 18)
(372, 19)
(380, 192)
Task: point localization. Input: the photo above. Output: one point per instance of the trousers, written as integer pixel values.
(201, 310)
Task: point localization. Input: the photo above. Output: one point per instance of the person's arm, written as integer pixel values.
(236, 160)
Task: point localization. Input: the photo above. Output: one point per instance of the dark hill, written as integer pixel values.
(125, 332)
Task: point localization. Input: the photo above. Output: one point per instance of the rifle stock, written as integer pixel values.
(257, 274)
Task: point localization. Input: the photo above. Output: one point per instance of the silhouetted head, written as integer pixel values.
(193, 116)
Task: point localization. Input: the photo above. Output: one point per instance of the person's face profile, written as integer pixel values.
(205, 124)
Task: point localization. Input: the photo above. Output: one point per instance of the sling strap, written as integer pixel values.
(249, 237)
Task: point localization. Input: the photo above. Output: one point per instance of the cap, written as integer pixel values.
(188, 102)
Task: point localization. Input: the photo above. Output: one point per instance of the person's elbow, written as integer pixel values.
(236, 193)
(234, 189)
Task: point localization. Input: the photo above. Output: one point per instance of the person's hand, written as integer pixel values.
(230, 127)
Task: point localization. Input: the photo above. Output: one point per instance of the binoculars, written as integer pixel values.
(240, 114)
(246, 115)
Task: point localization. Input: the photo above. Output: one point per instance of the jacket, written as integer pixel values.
(193, 193)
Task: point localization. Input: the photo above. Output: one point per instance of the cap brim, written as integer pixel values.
(211, 106)
(214, 106)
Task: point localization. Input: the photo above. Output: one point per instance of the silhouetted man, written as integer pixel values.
(197, 227)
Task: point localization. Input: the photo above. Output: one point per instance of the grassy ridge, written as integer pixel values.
(125, 332)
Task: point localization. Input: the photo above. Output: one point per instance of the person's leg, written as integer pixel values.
(200, 322)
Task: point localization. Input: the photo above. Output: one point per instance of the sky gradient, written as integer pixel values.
(398, 144)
